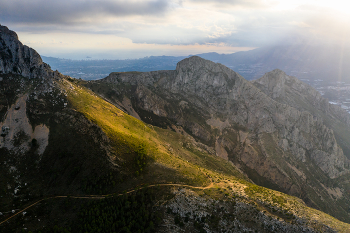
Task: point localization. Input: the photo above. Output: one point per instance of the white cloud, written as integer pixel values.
(251, 4)
(184, 23)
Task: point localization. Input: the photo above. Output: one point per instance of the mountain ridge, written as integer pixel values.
(305, 61)
(262, 120)
(182, 83)
(95, 148)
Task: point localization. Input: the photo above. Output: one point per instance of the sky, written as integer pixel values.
(128, 29)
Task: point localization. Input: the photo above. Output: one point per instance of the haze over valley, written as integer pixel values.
(316, 66)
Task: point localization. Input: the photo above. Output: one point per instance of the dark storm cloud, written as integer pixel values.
(74, 11)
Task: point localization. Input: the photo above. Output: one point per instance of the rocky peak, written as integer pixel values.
(277, 138)
(195, 66)
(273, 83)
(18, 58)
(193, 63)
(202, 77)
(291, 91)
(277, 84)
(4, 30)
(218, 90)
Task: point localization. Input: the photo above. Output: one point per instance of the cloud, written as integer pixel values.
(43, 12)
(246, 23)
(237, 3)
(166, 34)
(323, 24)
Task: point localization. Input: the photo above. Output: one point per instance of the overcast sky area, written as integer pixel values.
(124, 29)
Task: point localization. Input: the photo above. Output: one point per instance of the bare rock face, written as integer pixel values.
(18, 58)
(20, 135)
(188, 207)
(261, 126)
(293, 92)
(217, 89)
(273, 83)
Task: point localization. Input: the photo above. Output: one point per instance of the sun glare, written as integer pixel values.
(339, 5)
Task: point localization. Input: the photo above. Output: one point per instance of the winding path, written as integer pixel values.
(106, 195)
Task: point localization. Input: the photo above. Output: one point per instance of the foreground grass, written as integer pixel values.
(127, 134)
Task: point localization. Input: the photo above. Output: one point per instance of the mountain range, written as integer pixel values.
(303, 60)
(195, 149)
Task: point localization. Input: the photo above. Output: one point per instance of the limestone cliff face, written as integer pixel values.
(290, 90)
(218, 91)
(18, 58)
(20, 134)
(245, 123)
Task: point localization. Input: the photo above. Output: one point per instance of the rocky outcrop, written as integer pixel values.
(246, 123)
(189, 209)
(20, 136)
(19, 59)
(218, 91)
(293, 92)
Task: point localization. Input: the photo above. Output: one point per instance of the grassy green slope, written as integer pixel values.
(188, 164)
(164, 148)
(151, 155)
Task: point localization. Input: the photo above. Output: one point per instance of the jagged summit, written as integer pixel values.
(18, 58)
(273, 83)
(292, 91)
(4, 30)
(193, 62)
(276, 75)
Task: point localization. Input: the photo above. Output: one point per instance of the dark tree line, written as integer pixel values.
(126, 213)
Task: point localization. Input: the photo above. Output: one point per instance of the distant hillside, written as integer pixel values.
(328, 62)
(304, 61)
(97, 69)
